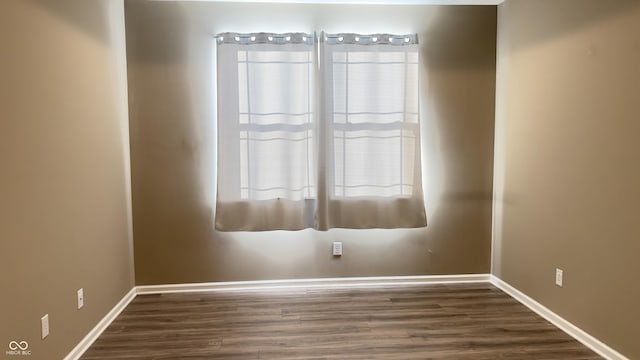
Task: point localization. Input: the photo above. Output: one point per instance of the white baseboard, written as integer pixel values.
(575, 332)
(591, 342)
(86, 342)
(312, 283)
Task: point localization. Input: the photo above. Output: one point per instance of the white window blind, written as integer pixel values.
(354, 163)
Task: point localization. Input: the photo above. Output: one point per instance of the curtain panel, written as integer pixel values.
(266, 145)
(318, 134)
(370, 131)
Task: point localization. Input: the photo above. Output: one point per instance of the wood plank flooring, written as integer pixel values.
(458, 321)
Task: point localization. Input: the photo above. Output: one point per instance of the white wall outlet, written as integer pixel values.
(559, 275)
(80, 298)
(44, 322)
(337, 248)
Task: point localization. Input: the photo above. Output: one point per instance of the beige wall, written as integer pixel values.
(64, 193)
(568, 161)
(566, 164)
(172, 106)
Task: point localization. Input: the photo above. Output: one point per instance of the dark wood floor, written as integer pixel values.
(462, 321)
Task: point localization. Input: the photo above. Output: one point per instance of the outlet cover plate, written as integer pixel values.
(80, 298)
(337, 248)
(559, 277)
(44, 323)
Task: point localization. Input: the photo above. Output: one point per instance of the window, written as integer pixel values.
(305, 144)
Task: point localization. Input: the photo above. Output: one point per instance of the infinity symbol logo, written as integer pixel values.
(22, 345)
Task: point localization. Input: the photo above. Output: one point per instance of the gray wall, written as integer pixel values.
(64, 176)
(567, 161)
(170, 52)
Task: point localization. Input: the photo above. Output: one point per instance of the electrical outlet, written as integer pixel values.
(44, 322)
(337, 248)
(80, 298)
(559, 276)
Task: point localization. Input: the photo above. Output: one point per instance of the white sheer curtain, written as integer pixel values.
(266, 148)
(354, 163)
(371, 132)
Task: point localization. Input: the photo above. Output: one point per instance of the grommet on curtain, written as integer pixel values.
(265, 38)
(371, 39)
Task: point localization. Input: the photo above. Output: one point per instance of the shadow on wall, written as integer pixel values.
(567, 18)
(171, 148)
(449, 50)
(161, 45)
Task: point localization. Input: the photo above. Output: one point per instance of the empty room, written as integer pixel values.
(307, 179)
